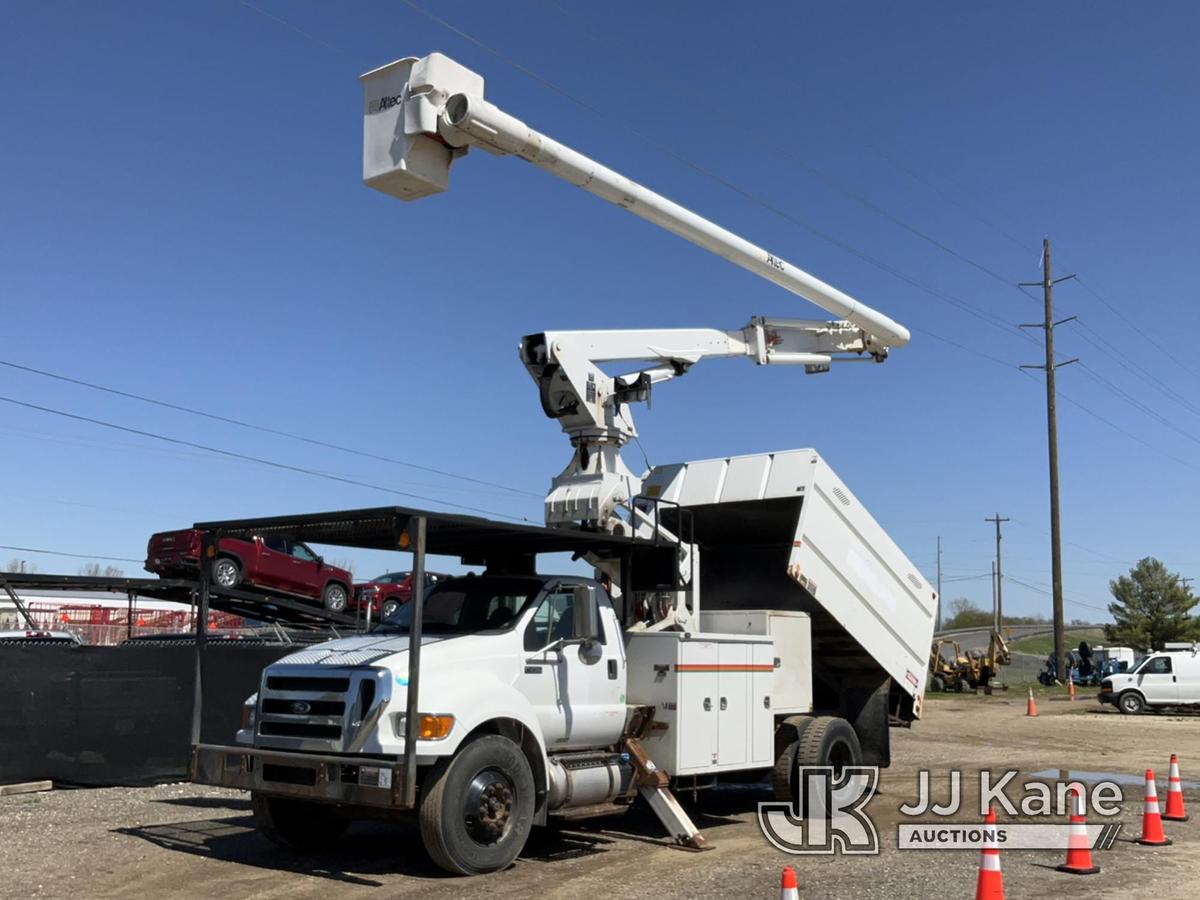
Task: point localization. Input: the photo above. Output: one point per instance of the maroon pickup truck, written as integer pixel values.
(272, 562)
(389, 592)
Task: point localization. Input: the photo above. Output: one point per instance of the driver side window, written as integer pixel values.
(553, 620)
(301, 552)
(1159, 666)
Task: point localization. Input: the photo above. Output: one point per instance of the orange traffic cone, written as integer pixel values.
(1174, 810)
(1071, 689)
(1152, 829)
(1079, 848)
(787, 885)
(1031, 705)
(990, 884)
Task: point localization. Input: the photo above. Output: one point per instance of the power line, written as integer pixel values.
(1111, 424)
(1042, 590)
(255, 459)
(72, 555)
(1108, 348)
(1137, 329)
(1137, 404)
(790, 154)
(1097, 554)
(260, 428)
(866, 141)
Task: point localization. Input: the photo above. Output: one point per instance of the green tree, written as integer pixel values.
(1152, 606)
(965, 614)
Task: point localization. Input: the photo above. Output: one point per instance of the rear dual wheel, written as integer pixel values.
(819, 741)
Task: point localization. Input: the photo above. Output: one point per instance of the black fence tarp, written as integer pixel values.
(117, 715)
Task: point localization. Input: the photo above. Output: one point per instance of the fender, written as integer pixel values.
(475, 701)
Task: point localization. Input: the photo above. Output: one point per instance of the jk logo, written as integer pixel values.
(827, 814)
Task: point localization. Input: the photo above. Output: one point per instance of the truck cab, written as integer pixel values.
(1167, 678)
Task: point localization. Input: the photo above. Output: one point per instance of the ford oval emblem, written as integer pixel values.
(301, 708)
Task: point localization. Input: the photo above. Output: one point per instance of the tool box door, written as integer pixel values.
(699, 691)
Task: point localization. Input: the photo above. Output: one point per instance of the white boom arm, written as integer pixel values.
(421, 114)
(592, 407)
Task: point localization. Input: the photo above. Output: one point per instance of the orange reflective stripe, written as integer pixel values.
(728, 667)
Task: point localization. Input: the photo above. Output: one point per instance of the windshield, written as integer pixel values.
(467, 605)
(391, 578)
(1138, 663)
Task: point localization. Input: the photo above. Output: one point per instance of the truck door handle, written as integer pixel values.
(724, 704)
(708, 704)
(612, 670)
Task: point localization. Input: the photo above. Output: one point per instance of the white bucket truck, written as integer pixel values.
(762, 619)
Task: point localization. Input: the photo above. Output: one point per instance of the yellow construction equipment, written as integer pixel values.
(952, 669)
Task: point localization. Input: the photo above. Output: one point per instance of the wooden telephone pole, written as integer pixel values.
(997, 577)
(1048, 325)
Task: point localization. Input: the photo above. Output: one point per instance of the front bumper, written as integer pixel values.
(350, 780)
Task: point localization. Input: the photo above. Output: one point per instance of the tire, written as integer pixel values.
(335, 597)
(936, 684)
(297, 824)
(829, 741)
(783, 778)
(389, 606)
(488, 774)
(960, 685)
(1131, 703)
(225, 572)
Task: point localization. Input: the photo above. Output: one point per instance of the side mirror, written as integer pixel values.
(320, 562)
(586, 613)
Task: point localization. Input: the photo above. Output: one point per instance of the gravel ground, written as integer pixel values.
(184, 841)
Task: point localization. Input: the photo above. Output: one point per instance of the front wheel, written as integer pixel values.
(335, 598)
(388, 608)
(477, 808)
(1131, 703)
(297, 824)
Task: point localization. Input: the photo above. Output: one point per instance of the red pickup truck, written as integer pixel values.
(389, 592)
(271, 562)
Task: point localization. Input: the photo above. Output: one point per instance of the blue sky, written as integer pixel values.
(183, 217)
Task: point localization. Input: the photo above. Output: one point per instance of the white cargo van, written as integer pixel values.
(1167, 678)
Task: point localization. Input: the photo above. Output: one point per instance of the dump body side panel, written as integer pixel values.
(857, 573)
(781, 531)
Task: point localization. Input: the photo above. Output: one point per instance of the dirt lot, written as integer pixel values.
(180, 841)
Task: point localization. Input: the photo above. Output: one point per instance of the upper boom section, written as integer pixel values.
(420, 114)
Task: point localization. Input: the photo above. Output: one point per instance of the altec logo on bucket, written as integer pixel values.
(828, 814)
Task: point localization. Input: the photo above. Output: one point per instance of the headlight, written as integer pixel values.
(249, 711)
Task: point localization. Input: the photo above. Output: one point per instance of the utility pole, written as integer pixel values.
(938, 626)
(998, 574)
(1048, 325)
(995, 620)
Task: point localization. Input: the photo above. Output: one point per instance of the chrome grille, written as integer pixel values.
(314, 707)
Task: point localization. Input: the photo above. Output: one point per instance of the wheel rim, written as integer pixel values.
(388, 608)
(335, 598)
(1130, 704)
(225, 572)
(487, 807)
(840, 756)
